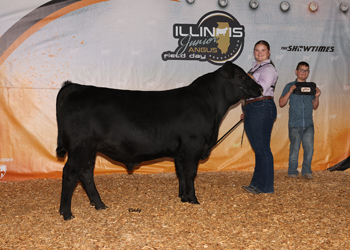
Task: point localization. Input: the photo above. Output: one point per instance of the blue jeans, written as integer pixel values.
(306, 137)
(258, 121)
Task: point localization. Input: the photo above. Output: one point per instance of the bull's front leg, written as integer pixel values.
(189, 172)
(181, 176)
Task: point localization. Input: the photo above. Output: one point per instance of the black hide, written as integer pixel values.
(135, 126)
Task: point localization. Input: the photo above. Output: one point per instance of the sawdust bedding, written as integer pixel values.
(145, 213)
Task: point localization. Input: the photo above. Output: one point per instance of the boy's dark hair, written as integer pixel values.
(303, 64)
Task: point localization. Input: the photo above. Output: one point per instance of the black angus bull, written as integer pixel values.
(135, 126)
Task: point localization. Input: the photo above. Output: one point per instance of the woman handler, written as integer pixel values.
(259, 116)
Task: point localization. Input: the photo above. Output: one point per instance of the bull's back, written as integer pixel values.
(124, 124)
(113, 104)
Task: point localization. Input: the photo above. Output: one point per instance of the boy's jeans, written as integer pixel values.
(306, 137)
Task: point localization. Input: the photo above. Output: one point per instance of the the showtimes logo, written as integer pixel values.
(297, 48)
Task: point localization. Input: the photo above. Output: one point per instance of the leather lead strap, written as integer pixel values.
(227, 133)
(244, 116)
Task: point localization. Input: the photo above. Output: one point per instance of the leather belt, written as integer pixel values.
(258, 99)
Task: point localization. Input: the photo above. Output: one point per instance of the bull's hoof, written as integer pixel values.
(68, 218)
(192, 201)
(102, 207)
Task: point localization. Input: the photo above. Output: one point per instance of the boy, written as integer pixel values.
(300, 125)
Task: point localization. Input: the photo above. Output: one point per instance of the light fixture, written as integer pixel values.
(223, 3)
(284, 6)
(313, 6)
(344, 7)
(253, 4)
(190, 1)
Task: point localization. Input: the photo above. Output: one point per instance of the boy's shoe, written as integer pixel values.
(293, 176)
(307, 176)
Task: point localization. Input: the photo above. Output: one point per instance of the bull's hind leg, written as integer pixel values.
(87, 180)
(70, 179)
(77, 163)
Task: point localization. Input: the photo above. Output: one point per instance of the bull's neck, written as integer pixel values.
(212, 94)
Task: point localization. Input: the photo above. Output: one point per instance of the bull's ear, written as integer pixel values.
(226, 70)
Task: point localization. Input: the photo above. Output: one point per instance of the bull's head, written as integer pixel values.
(241, 80)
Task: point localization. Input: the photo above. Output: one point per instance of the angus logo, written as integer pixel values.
(217, 37)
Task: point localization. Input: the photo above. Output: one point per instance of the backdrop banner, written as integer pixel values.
(159, 45)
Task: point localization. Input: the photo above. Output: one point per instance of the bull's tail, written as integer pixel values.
(60, 150)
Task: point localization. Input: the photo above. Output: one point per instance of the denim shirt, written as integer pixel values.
(300, 108)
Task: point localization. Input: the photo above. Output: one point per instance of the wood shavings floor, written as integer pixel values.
(145, 213)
